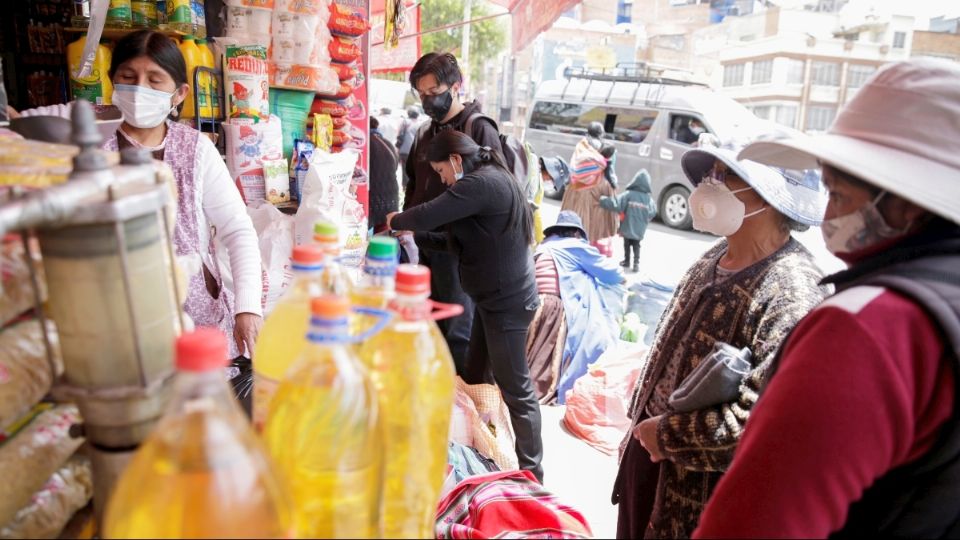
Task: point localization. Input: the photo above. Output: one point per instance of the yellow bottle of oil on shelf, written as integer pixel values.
(95, 88)
(413, 372)
(281, 338)
(324, 432)
(377, 282)
(202, 472)
(210, 106)
(194, 58)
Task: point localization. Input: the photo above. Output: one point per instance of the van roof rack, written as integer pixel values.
(628, 72)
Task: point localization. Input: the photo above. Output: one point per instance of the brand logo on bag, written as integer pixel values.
(247, 64)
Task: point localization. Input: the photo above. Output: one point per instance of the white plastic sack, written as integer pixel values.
(275, 234)
(247, 147)
(326, 195)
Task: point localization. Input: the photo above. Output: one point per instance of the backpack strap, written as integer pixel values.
(468, 125)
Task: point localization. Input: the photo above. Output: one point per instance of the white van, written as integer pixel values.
(651, 121)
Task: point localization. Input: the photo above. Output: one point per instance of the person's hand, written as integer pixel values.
(646, 433)
(390, 219)
(246, 331)
(12, 113)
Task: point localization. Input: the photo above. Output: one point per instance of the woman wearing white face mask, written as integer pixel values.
(748, 292)
(150, 83)
(857, 432)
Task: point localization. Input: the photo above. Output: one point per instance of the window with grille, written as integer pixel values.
(787, 115)
(762, 72)
(825, 74)
(857, 75)
(819, 117)
(899, 40)
(733, 75)
(794, 71)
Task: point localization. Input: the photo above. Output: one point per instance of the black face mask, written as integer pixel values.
(437, 107)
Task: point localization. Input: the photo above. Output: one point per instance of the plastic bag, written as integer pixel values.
(275, 234)
(344, 72)
(50, 509)
(325, 194)
(344, 50)
(247, 83)
(320, 79)
(326, 106)
(25, 373)
(346, 21)
(598, 406)
(33, 452)
(489, 419)
(247, 148)
(16, 288)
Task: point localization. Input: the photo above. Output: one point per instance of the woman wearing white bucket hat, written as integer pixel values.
(858, 432)
(748, 291)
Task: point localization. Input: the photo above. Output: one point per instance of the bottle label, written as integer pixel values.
(119, 9)
(88, 88)
(263, 390)
(179, 11)
(144, 13)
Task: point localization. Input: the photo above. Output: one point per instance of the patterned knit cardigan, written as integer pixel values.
(756, 308)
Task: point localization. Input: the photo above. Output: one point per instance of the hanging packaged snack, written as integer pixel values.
(276, 180)
(320, 79)
(346, 21)
(341, 137)
(344, 50)
(247, 83)
(323, 131)
(326, 106)
(344, 71)
(339, 122)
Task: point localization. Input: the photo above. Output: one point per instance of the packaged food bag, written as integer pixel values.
(299, 165)
(323, 132)
(247, 83)
(275, 234)
(276, 180)
(33, 450)
(326, 192)
(50, 509)
(25, 373)
(248, 145)
(347, 21)
(16, 287)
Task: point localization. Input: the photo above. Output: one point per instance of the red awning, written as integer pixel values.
(532, 17)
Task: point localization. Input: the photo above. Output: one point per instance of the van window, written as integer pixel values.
(686, 129)
(620, 123)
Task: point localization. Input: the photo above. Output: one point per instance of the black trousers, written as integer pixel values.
(629, 244)
(445, 287)
(498, 355)
(635, 490)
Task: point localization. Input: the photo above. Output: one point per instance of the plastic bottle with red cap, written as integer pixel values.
(413, 373)
(202, 472)
(281, 338)
(326, 234)
(323, 431)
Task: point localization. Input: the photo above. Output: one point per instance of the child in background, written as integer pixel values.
(637, 209)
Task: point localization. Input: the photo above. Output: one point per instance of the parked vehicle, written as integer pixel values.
(652, 122)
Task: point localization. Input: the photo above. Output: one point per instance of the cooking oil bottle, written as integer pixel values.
(326, 234)
(95, 88)
(209, 82)
(377, 282)
(323, 430)
(281, 338)
(202, 473)
(413, 373)
(193, 58)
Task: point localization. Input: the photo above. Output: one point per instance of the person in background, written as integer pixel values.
(637, 209)
(436, 79)
(384, 189)
(405, 138)
(575, 323)
(588, 183)
(746, 292)
(555, 170)
(487, 221)
(149, 77)
(609, 152)
(389, 125)
(857, 433)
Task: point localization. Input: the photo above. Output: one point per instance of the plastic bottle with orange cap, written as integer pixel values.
(202, 472)
(281, 339)
(413, 372)
(323, 431)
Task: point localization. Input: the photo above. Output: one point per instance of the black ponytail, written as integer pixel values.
(474, 156)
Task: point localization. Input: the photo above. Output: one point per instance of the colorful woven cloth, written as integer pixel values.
(509, 504)
(587, 166)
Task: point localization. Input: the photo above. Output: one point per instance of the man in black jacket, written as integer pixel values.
(436, 79)
(384, 189)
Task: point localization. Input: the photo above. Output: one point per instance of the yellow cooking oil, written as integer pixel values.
(413, 373)
(323, 432)
(376, 286)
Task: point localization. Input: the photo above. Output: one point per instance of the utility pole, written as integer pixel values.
(465, 43)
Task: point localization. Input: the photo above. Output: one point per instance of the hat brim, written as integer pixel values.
(554, 228)
(922, 181)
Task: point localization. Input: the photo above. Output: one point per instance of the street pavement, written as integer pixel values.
(577, 473)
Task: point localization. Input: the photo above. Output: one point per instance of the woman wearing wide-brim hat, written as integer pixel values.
(748, 292)
(858, 432)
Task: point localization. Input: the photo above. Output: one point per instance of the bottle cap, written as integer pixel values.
(204, 349)
(326, 232)
(383, 247)
(188, 37)
(413, 279)
(202, 41)
(330, 307)
(308, 255)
